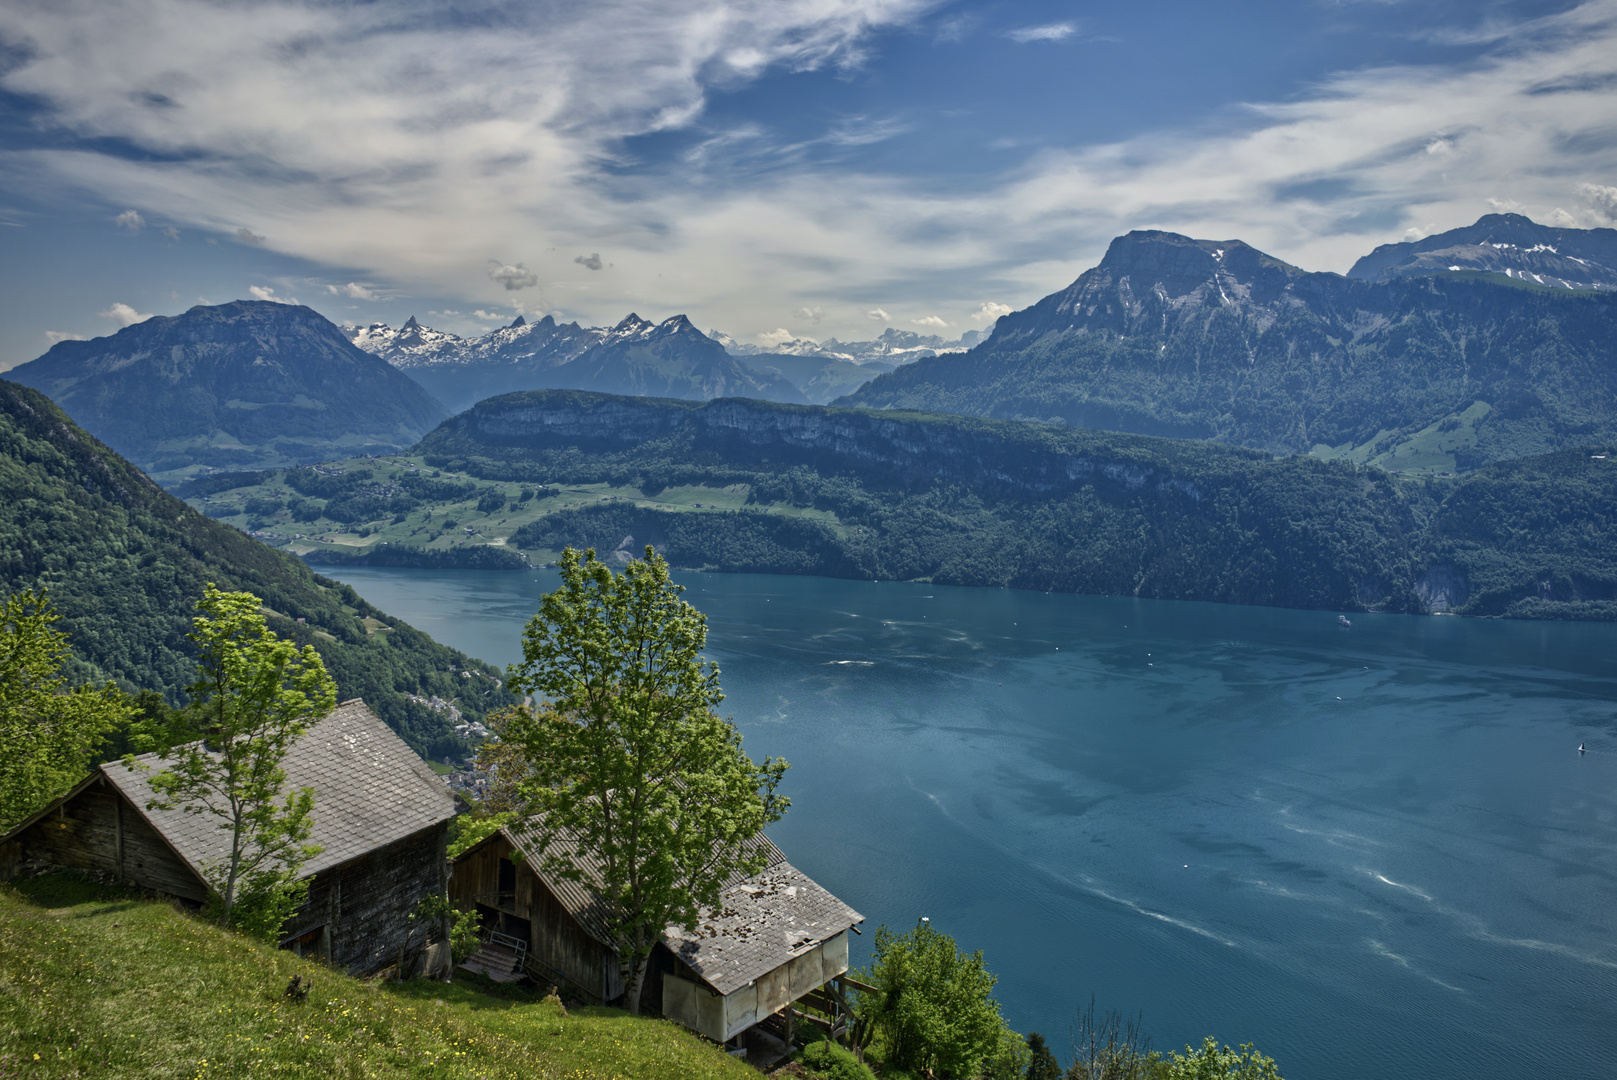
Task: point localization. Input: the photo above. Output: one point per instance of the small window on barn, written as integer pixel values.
(508, 876)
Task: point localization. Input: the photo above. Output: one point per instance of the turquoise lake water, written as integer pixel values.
(1374, 852)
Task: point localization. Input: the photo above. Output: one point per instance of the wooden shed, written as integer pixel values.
(381, 818)
(776, 938)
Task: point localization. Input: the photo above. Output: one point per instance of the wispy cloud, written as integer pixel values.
(131, 220)
(1060, 31)
(407, 144)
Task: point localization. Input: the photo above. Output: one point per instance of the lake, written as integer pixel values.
(1372, 851)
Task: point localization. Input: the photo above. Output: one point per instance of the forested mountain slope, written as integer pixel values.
(248, 384)
(897, 495)
(125, 563)
(1215, 340)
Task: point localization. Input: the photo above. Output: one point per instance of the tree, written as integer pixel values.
(935, 1008)
(1042, 1064)
(47, 732)
(1210, 1062)
(255, 695)
(629, 758)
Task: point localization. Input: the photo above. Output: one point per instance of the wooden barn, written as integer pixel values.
(381, 818)
(776, 939)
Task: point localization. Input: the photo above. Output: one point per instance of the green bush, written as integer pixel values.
(829, 1061)
(935, 1010)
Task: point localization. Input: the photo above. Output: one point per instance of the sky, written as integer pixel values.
(770, 168)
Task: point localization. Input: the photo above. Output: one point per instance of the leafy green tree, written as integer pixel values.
(1042, 1064)
(934, 1006)
(256, 694)
(629, 758)
(1210, 1062)
(48, 733)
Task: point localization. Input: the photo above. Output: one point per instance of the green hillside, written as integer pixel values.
(97, 982)
(759, 487)
(125, 563)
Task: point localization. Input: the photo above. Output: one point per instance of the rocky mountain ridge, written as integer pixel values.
(1175, 336)
(1508, 244)
(893, 347)
(248, 384)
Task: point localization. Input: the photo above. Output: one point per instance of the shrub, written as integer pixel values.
(935, 1007)
(829, 1061)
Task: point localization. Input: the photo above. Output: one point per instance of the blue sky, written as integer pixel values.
(812, 167)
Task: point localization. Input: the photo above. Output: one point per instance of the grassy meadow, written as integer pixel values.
(98, 982)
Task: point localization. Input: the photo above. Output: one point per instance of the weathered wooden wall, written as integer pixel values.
(365, 904)
(98, 830)
(558, 946)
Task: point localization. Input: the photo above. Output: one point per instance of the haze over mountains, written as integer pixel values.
(1421, 367)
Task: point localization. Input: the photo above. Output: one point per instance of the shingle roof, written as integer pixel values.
(761, 923)
(370, 790)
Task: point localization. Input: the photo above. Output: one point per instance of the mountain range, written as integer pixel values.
(667, 359)
(550, 355)
(893, 347)
(1406, 364)
(249, 384)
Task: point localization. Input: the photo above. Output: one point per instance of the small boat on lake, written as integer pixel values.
(1343, 620)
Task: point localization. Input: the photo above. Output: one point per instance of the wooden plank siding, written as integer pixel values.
(559, 949)
(361, 906)
(97, 830)
(364, 904)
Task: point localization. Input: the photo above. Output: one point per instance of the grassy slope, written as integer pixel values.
(97, 982)
(125, 563)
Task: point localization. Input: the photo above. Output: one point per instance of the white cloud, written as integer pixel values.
(489, 316)
(878, 315)
(930, 320)
(592, 261)
(353, 291)
(1601, 199)
(776, 337)
(512, 277)
(171, 232)
(809, 314)
(248, 236)
(408, 145)
(1060, 31)
(131, 220)
(123, 314)
(53, 336)
(265, 292)
(990, 311)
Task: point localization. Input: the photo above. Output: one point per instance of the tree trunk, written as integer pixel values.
(634, 975)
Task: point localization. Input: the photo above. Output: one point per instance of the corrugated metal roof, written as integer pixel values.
(763, 920)
(370, 790)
